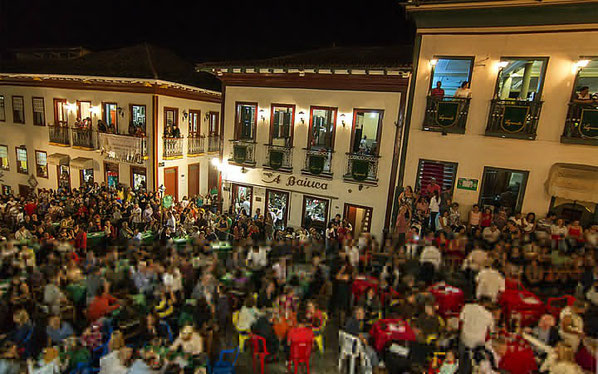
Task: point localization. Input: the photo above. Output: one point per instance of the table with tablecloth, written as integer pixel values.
(96, 239)
(361, 284)
(448, 298)
(522, 302)
(519, 358)
(387, 330)
(222, 248)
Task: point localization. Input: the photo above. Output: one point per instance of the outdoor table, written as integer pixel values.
(361, 284)
(519, 358)
(448, 298)
(524, 302)
(95, 239)
(387, 330)
(147, 237)
(222, 248)
(180, 242)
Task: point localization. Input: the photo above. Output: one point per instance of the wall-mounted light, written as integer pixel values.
(120, 111)
(262, 115)
(95, 110)
(185, 115)
(582, 63)
(502, 64)
(302, 117)
(343, 120)
(433, 62)
(206, 117)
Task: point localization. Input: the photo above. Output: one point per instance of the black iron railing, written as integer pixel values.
(279, 157)
(361, 167)
(59, 135)
(513, 118)
(581, 125)
(446, 114)
(83, 138)
(195, 145)
(243, 152)
(318, 161)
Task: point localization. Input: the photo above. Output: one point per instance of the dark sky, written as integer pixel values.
(204, 29)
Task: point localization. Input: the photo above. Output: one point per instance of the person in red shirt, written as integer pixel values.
(81, 238)
(30, 208)
(432, 186)
(438, 92)
(101, 305)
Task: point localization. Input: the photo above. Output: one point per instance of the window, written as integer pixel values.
(366, 131)
(2, 110)
(322, 128)
(315, 212)
(246, 119)
(64, 177)
(281, 125)
(61, 116)
(39, 111)
(83, 110)
(86, 176)
(18, 109)
(138, 178)
(521, 78)
(242, 199)
(4, 157)
(277, 203)
(110, 116)
(503, 188)
(41, 164)
(22, 164)
(443, 172)
(451, 73)
(171, 116)
(194, 123)
(6, 190)
(111, 176)
(214, 124)
(588, 77)
(138, 118)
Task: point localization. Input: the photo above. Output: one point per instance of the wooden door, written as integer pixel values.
(24, 190)
(212, 178)
(171, 182)
(193, 180)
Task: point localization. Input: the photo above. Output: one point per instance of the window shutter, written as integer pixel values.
(444, 172)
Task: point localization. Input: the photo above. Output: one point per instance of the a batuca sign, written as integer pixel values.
(293, 181)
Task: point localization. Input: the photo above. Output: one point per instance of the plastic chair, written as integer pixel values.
(554, 305)
(258, 350)
(222, 366)
(366, 362)
(319, 333)
(243, 334)
(348, 345)
(299, 354)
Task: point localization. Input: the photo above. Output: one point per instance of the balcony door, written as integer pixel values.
(171, 182)
(111, 175)
(367, 127)
(503, 188)
(194, 123)
(448, 74)
(193, 180)
(242, 199)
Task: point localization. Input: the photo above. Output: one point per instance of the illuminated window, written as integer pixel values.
(281, 125)
(246, 119)
(366, 131)
(521, 79)
(61, 117)
(451, 73)
(322, 128)
(41, 164)
(18, 109)
(110, 115)
(83, 110)
(22, 164)
(138, 117)
(39, 113)
(4, 157)
(213, 124)
(194, 123)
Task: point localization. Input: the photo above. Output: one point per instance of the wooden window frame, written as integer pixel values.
(176, 116)
(544, 59)
(217, 115)
(36, 165)
(107, 166)
(292, 131)
(79, 109)
(13, 109)
(131, 115)
(309, 130)
(66, 114)
(17, 158)
(58, 174)
(238, 119)
(519, 202)
(469, 76)
(82, 179)
(104, 118)
(43, 110)
(194, 134)
(3, 98)
(378, 131)
(8, 167)
(136, 170)
(305, 197)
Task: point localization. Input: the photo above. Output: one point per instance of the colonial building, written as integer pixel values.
(73, 116)
(315, 134)
(498, 112)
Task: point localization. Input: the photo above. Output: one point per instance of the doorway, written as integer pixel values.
(360, 218)
(64, 176)
(277, 205)
(111, 174)
(171, 182)
(213, 179)
(503, 188)
(193, 180)
(315, 212)
(24, 190)
(138, 178)
(242, 199)
(86, 177)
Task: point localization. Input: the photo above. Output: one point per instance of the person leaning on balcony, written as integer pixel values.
(463, 91)
(583, 96)
(176, 132)
(438, 92)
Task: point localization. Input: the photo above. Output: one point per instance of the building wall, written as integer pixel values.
(338, 191)
(472, 151)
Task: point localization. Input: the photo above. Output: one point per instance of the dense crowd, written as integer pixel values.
(125, 281)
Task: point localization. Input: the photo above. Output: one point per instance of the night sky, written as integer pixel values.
(204, 30)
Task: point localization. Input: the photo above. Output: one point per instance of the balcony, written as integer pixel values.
(279, 157)
(513, 119)
(581, 126)
(446, 115)
(123, 148)
(173, 148)
(83, 138)
(213, 143)
(318, 162)
(59, 135)
(195, 145)
(361, 168)
(243, 152)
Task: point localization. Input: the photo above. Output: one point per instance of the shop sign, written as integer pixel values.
(316, 164)
(292, 181)
(467, 184)
(359, 169)
(447, 113)
(514, 118)
(589, 123)
(240, 153)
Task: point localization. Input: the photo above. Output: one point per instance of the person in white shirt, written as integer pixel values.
(432, 255)
(463, 91)
(353, 254)
(257, 257)
(491, 234)
(475, 260)
(489, 283)
(477, 321)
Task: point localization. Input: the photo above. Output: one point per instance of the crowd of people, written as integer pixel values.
(125, 281)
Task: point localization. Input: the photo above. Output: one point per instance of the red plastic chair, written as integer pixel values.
(299, 354)
(554, 305)
(258, 350)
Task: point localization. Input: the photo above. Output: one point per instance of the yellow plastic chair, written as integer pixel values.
(243, 334)
(319, 333)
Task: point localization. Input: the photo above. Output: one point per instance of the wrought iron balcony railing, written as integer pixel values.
(83, 138)
(213, 143)
(279, 157)
(318, 161)
(195, 145)
(173, 148)
(59, 135)
(243, 152)
(581, 126)
(513, 119)
(362, 168)
(446, 114)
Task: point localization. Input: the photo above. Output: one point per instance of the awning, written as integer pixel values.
(58, 159)
(573, 182)
(82, 163)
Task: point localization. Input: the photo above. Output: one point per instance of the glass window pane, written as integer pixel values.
(4, 157)
(41, 163)
(38, 111)
(451, 73)
(22, 160)
(138, 116)
(316, 209)
(322, 129)
(246, 117)
(521, 79)
(2, 112)
(84, 110)
(282, 122)
(18, 109)
(588, 77)
(365, 136)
